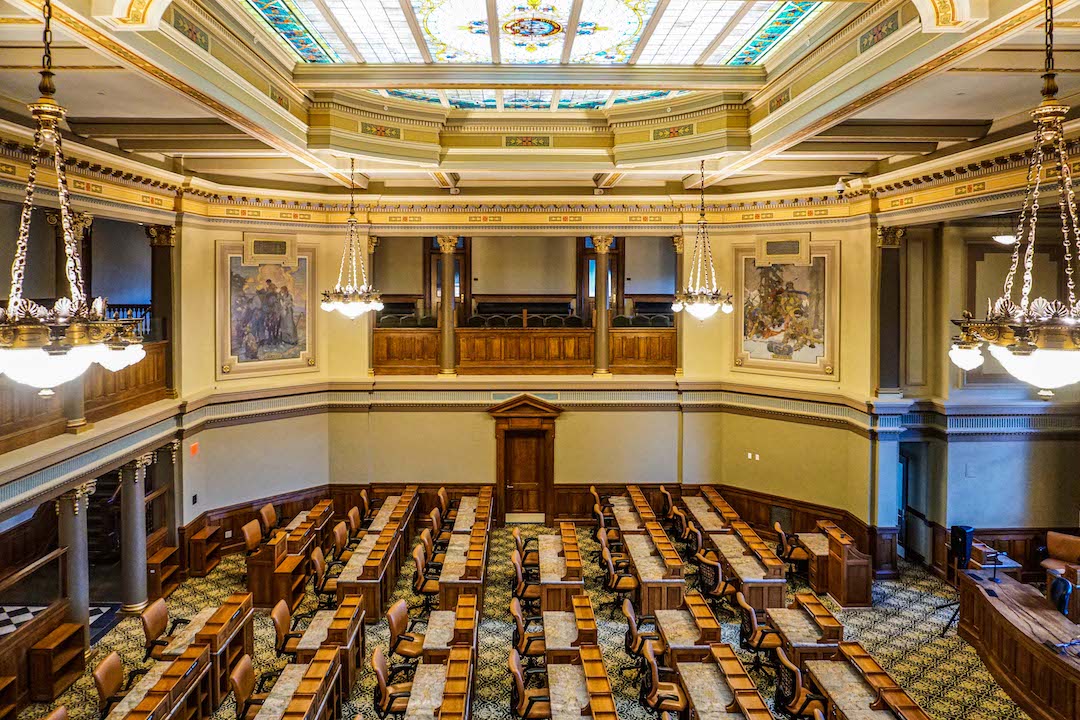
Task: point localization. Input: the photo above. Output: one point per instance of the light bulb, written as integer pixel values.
(702, 311)
(1046, 369)
(116, 359)
(966, 358)
(677, 306)
(727, 307)
(37, 368)
(1003, 239)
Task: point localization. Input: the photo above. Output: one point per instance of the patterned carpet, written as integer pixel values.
(943, 674)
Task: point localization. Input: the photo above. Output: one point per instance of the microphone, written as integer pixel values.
(1060, 648)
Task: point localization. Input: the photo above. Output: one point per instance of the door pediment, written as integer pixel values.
(525, 406)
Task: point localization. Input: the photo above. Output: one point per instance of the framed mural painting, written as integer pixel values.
(788, 312)
(266, 309)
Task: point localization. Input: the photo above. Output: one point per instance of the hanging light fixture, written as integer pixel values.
(1035, 340)
(702, 296)
(45, 347)
(352, 296)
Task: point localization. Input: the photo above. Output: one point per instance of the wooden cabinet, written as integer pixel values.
(56, 662)
(9, 697)
(163, 573)
(204, 551)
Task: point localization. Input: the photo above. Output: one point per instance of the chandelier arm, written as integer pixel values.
(18, 263)
(1029, 253)
(1068, 225)
(72, 264)
(711, 266)
(1007, 290)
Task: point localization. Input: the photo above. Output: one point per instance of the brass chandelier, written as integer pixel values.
(1035, 340)
(352, 296)
(702, 296)
(45, 347)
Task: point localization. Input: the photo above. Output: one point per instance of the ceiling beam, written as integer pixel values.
(494, 31)
(116, 128)
(240, 147)
(571, 31)
(417, 36)
(743, 78)
(347, 41)
(647, 33)
(862, 148)
(937, 130)
(724, 32)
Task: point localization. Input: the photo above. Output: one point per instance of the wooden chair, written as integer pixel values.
(669, 505)
(424, 584)
(787, 551)
(636, 639)
(679, 527)
(621, 560)
(367, 512)
(714, 586)
(59, 713)
(752, 636)
(268, 519)
(403, 641)
(792, 697)
(529, 644)
(529, 558)
(253, 537)
(434, 559)
(701, 550)
(249, 692)
(611, 536)
(155, 621)
(524, 589)
(603, 503)
(448, 510)
(356, 527)
(616, 581)
(527, 703)
(658, 694)
(342, 553)
(324, 584)
(109, 681)
(287, 638)
(439, 536)
(389, 699)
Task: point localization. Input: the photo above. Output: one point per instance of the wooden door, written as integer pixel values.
(525, 471)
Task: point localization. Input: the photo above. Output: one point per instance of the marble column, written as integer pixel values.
(369, 261)
(162, 244)
(133, 534)
(889, 291)
(602, 243)
(71, 521)
(680, 268)
(448, 342)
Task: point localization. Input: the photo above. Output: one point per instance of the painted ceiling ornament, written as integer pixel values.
(1037, 340)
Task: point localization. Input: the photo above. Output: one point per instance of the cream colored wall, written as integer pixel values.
(399, 265)
(650, 266)
(523, 265)
(616, 446)
(432, 446)
(39, 279)
(238, 463)
(709, 345)
(343, 359)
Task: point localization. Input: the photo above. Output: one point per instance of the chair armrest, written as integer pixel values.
(535, 670)
(534, 618)
(297, 634)
(643, 619)
(664, 670)
(535, 699)
(1042, 552)
(178, 622)
(138, 672)
(525, 544)
(648, 636)
(261, 682)
(528, 644)
(396, 695)
(413, 622)
(665, 696)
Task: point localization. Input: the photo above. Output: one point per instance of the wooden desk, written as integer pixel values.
(598, 685)
(704, 516)
(320, 516)
(473, 509)
(464, 567)
(719, 688)
(626, 518)
(856, 687)
(342, 629)
(774, 566)
(850, 571)
(260, 569)
(306, 691)
(719, 504)
(816, 546)
(228, 631)
(460, 681)
(661, 585)
(177, 689)
(641, 504)
(372, 570)
(807, 629)
(447, 629)
(689, 631)
(568, 691)
(739, 563)
(1008, 632)
(561, 574)
(565, 633)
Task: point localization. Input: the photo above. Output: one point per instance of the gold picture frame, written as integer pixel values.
(787, 315)
(266, 313)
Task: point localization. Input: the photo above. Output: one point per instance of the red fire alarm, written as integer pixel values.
(194, 449)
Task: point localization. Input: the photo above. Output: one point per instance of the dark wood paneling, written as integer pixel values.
(573, 503)
(405, 351)
(111, 393)
(643, 351)
(27, 418)
(28, 540)
(15, 646)
(528, 351)
(1021, 544)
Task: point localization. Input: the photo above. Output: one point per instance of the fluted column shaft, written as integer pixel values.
(71, 522)
(448, 342)
(133, 534)
(680, 268)
(602, 243)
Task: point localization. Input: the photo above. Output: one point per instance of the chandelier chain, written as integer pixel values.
(18, 264)
(1069, 224)
(73, 263)
(46, 36)
(1029, 253)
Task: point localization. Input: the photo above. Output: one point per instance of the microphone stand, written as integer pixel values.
(994, 555)
(1060, 648)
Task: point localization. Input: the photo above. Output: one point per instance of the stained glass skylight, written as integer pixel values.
(472, 99)
(686, 29)
(583, 99)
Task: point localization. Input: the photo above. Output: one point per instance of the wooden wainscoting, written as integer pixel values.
(32, 538)
(573, 502)
(1021, 544)
(643, 351)
(345, 496)
(405, 351)
(528, 351)
(111, 393)
(27, 418)
(15, 647)
(759, 509)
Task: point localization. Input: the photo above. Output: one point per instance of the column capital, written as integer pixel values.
(679, 242)
(373, 242)
(78, 495)
(890, 237)
(602, 243)
(161, 235)
(80, 222)
(447, 244)
(174, 449)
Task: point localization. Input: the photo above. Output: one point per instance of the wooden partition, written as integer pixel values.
(405, 351)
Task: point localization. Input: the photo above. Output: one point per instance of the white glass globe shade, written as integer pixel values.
(1003, 239)
(677, 306)
(966, 358)
(701, 310)
(117, 359)
(1045, 369)
(727, 307)
(37, 368)
(328, 306)
(352, 310)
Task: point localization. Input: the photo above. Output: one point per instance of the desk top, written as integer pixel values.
(466, 514)
(316, 631)
(569, 694)
(560, 630)
(439, 633)
(427, 692)
(185, 635)
(708, 691)
(745, 566)
(707, 519)
(679, 629)
(626, 516)
(355, 566)
(816, 543)
(845, 687)
(383, 516)
(647, 560)
(457, 552)
(139, 691)
(797, 627)
(277, 701)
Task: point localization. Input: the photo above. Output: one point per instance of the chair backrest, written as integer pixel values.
(609, 565)
(692, 530)
(596, 496)
(354, 521)
(599, 515)
(748, 627)
(632, 635)
(515, 560)
(710, 575)
(252, 535)
(268, 518)
(519, 542)
(341, 539)
(382, 678)
(444, 500)
(155, 619)
(519, 680)
(680, 521)
(1060, 592)
(669, 504)
(318, 565)
(365, 503)
(788, 680)
(282, 620)
(397, 618)
(427, 542)
(242, 680)
(783, 546)
(519, 621)
(109, 676)
(654, 669)
(421, 565)
(436, 520)
(960, 539)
